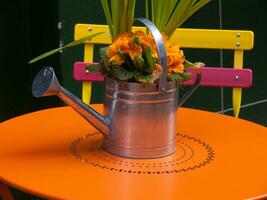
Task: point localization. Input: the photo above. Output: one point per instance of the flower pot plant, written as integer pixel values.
(132, 56)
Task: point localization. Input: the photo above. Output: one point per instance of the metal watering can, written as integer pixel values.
(139, 120)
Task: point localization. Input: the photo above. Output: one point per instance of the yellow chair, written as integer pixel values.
(236, 40)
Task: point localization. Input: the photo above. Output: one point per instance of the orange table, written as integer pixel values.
(54, 153)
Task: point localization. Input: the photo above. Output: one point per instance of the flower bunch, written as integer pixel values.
(133, 57)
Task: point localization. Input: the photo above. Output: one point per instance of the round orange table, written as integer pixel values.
(54, 153)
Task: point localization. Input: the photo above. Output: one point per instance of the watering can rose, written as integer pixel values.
(133, 57)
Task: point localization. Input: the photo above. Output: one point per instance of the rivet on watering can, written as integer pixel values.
(238, 34)
(238, 44)
(236, 77)
(90, 28)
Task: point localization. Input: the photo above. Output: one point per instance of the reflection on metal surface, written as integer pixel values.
(191, 153)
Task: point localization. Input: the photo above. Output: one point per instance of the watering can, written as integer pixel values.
(139, 120)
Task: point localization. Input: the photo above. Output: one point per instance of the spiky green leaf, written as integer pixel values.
(108, 16)
(71, 44)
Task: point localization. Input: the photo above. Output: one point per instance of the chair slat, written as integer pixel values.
(211, 76)
(188, 38)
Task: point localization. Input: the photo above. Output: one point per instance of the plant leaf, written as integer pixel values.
(139, 62)
(165, 6)
(115, 10)
(194, 8)
(144, 78)
(130, 14)
(147, 9)
(185, 76)
(151, 63)
(102, 53)
(122, 73)
(175, 18)
(71, 44)
(108, 16)
(93, 68)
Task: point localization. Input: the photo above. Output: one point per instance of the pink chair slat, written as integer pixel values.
(211, 76)
(223, 77)
(81, 74)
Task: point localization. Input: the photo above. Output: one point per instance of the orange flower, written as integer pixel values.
(175, 57)
(125, 43)
(119, 43)
(146, 41)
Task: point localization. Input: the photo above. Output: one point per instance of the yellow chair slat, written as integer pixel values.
(87, 86)
(188, 38)
(237, 92)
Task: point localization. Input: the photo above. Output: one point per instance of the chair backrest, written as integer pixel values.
(236, 40)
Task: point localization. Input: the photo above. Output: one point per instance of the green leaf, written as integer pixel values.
(195, 65)
(123, 15)
(115, 9)
(45, 55)
(122, 73)
(74, 43)
(149, 59)
(93, 68)
(168, 15)
(179, 11)
(139, 62)
(147, 9)
(185, 76)
(172, 8)
(130, 14)
(102, 53)
(153, 11)
(137, 40)
(144, 78)
(164, 14)
(191, 11)
(108, 16)
(188, 64)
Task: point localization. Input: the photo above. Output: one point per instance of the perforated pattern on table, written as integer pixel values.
(191, 153)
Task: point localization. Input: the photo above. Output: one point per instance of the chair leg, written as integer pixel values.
(5, 192)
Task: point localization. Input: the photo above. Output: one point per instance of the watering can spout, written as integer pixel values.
(46, 84)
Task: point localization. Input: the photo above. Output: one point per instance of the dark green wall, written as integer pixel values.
(28, 28)
(238, 14)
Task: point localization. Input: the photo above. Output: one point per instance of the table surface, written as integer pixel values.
(55, 153)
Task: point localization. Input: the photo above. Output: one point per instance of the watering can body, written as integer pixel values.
(142, 120)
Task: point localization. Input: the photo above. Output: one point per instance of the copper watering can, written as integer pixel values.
(139, 120)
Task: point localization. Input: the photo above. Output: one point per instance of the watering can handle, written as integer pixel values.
(163, 61)
(161, 51)
(192, 88)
